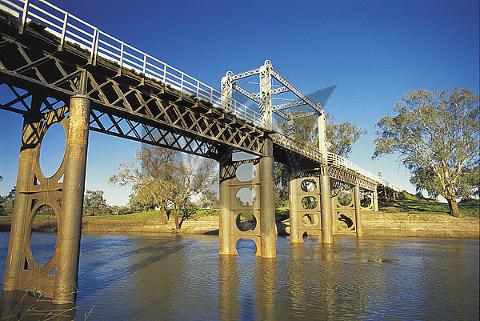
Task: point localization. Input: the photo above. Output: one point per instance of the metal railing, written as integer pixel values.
(70, 28)
(341, 161)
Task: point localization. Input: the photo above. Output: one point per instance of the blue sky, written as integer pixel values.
(374, 51)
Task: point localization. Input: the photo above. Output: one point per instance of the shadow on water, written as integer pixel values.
(155, 252)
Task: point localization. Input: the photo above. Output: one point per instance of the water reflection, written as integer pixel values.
(228, 305)
(265, 295)
(183, 278)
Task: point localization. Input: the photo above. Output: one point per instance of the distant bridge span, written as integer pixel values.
(60, 69)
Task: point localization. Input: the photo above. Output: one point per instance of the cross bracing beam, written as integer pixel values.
(127, 96)
(297, 92)
(70, 30)
(280, 90)
(245, 74)
(246, 93)
(288, 105)
(303, 115)
(147, 91)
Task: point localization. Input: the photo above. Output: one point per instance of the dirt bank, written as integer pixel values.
(420, 225)
(374, 224)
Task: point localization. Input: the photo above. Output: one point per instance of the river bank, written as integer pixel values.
(382, 223)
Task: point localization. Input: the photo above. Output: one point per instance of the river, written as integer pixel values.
(139, 277)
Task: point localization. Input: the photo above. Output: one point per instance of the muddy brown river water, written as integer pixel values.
(146, 277)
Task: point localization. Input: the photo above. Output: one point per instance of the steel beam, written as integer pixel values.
(318, 108)
(288, 105)
(265, 105)
(246, 93)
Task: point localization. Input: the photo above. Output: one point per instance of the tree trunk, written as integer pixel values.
(177, 220)
(454, 210)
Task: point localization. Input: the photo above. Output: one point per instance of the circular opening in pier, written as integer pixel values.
(52, 150)
(308, 220)
(309, 202)
(345, 222)
(246, 221)
(345, 198)
(245, 196)
(308, 185)
(246, 247)
(43, 234)
(246, 172)
(366, 200)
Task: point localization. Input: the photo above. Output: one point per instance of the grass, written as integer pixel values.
(415, 205)
(152, 215)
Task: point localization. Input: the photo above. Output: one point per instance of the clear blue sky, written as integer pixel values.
(375, 51)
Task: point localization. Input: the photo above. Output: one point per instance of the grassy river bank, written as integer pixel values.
(409, 216)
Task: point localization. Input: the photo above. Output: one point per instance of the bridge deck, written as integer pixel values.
(134, 95)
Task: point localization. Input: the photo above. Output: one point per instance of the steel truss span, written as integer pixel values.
(131, 88)
(56, 68)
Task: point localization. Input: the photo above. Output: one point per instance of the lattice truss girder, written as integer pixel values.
(130, 105)
(349, 177)
(124, 105)
(19, 101)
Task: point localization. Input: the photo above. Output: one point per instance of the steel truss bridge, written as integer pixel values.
(58, 68)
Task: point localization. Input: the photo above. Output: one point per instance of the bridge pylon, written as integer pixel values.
(62, 193)
(247, 205)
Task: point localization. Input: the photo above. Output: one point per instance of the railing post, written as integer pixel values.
(94, 48)
(144, 67)
(64, 31)
(164, 73)
(24, 16)
(122, 49)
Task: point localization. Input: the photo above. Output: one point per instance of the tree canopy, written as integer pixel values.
(340, 138)
(436, 135)
(163, 179)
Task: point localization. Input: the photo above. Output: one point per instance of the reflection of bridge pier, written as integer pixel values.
(229, 305)
(266, 281)
(60, 69)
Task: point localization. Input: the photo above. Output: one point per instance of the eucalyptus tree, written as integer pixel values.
(340, 138)
(163, 179)
(436, 135)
